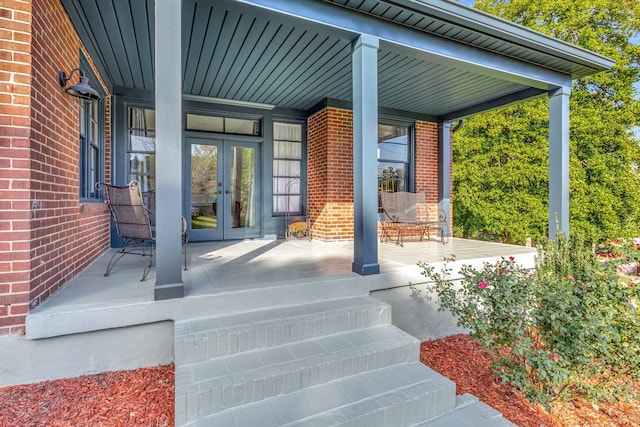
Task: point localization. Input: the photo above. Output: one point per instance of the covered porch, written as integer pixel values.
(434, 62)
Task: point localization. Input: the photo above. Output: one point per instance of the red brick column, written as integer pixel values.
(426, 161)
(427, 165)
(330, 164)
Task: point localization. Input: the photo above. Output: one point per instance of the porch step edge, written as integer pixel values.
(201, 339)
(225, 382)
(400, 395)
(470, 412)
(50, 320)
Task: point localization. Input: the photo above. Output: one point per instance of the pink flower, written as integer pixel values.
(482, 284)
(626, 268)
(633, 304)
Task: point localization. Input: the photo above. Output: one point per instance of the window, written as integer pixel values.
(287, 166)
(142, 147)
(91, 144)
(224, 125)
(393, 157)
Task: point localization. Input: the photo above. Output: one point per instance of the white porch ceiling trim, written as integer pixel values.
(200, 98)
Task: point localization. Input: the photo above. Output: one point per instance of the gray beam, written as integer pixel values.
(365, 161)
(168, 150)
(499, 102)
(382, 111)
(559, 161)
(444, 173)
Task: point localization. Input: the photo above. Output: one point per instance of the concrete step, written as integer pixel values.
(217, 384)
(49, 320)
(398, 395)
(201, 339)
(470, 412)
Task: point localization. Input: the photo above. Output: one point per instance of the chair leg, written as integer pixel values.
(383, 233)
(386, 236)
(147, 269)
(184, 253)
(442, 238)
(114, 259)
(132, 247)
(424, 229)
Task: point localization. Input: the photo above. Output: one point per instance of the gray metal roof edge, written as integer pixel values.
(512, 32)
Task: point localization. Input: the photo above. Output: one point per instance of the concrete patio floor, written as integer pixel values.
(226, 268)
(216, 267)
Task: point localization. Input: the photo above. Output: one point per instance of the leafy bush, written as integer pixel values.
(571, 329)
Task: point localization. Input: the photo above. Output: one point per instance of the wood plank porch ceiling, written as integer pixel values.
(235, 50)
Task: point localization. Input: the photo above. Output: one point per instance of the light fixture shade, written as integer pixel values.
(82, 89)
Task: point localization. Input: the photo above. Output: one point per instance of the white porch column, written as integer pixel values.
(168, 97)
(559, 161)
(365, 159)
(444, 174)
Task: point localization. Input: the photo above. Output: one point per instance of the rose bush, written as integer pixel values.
(570, 329)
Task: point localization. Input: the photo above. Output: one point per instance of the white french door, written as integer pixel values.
(223, 189)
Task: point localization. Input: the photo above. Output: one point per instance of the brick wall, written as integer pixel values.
(330, 163)
(47, 235)
(15, 154)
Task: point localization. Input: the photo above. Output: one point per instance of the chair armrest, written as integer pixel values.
(185, 235)
(389, 218)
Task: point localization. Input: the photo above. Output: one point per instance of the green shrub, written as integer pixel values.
(571, 329)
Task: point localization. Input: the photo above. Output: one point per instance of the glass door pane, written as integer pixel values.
(204, 186)
(242, 183)
(241, 207)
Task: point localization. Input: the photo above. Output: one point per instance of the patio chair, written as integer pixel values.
(402, 210)
(134, 224)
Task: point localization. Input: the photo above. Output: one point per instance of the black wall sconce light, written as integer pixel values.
(82, 89)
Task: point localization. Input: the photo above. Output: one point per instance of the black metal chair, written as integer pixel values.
(134, 218)
(401, 210)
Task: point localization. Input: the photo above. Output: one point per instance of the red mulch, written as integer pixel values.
(465, 362)
(144, 397)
